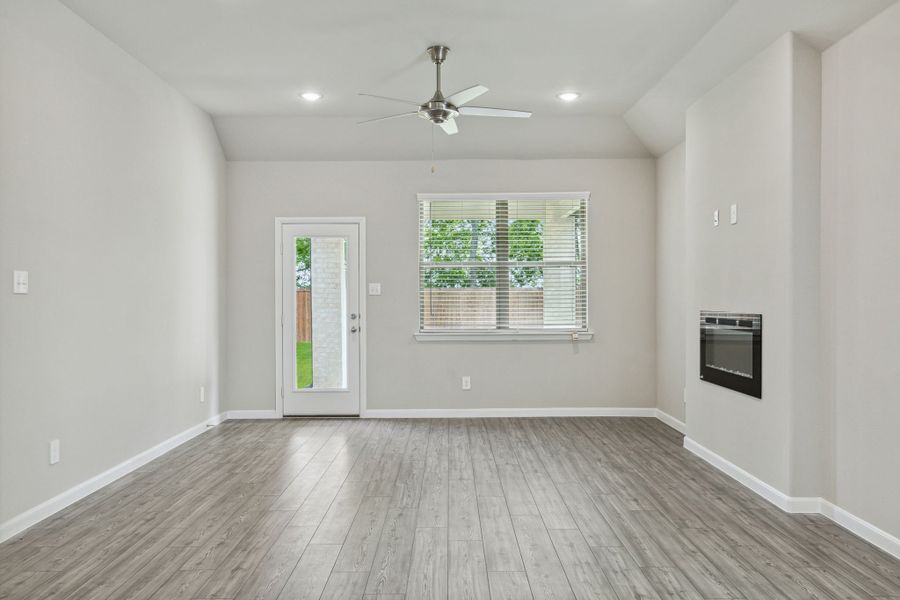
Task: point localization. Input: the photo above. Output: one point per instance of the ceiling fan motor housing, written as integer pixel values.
(438, 111)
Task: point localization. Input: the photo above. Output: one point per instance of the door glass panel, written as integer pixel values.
(321, 313)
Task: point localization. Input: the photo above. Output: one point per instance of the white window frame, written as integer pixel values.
(504, 335)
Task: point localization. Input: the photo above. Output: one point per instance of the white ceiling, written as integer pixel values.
(240, 57)
(244, 61)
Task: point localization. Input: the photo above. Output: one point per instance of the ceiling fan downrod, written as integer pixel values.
(438, 110)
(438, 55)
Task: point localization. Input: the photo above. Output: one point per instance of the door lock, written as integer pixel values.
(352, 316)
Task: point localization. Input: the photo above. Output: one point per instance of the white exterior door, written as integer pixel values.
(320, 321)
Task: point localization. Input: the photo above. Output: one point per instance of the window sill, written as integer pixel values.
(502, 336)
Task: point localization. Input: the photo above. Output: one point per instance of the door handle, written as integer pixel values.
(354, 329)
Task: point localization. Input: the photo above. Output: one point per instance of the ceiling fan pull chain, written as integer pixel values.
(432, 148)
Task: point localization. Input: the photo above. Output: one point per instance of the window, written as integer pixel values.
(500, 264)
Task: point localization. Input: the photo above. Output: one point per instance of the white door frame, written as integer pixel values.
(279, 303)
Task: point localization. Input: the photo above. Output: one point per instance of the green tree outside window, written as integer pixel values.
(475, 241)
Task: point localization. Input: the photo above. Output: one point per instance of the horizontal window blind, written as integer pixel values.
(503, 262)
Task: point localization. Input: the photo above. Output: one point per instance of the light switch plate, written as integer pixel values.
(466, 382)
(20, 282)
(716, 218)
(374, 289)
(54, 452)
(734, 214)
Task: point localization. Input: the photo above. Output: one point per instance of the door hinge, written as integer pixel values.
(282, 319)
(282, 391)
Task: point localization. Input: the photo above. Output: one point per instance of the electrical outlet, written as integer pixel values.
(734, 214)
(54, 452)
(466, 382)
(374, 289)
(716, 218)
(202, 394)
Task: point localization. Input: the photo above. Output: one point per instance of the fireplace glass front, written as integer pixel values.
(731, 351)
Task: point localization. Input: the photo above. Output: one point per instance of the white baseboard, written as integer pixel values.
(772, 494)
(252, 414)
(872, 534)
(47, 508)
(457, 413)
(671, 421)
(793, 504)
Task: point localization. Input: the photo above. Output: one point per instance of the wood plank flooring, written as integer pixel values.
(518, 509)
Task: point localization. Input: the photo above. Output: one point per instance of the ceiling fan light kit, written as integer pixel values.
(443, 111)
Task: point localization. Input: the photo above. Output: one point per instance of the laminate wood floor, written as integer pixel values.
(605, 508)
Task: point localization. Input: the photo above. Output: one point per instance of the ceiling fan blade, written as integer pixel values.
(449, 127)
(483, 111)
(466, 95)
(407, 114)
(400, 100)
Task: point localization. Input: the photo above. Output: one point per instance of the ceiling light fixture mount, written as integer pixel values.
(568, 96)
(311, 96)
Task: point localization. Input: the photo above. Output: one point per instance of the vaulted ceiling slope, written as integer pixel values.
(745, 30)
(245, 61)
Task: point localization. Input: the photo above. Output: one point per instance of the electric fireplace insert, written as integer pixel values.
(731, 351)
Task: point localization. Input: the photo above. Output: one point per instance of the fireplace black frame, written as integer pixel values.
(710, 321)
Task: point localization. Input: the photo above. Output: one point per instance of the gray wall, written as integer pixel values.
(111, 195)
(810, 416)
(749, 141)
(861, 266)
(616, 369)
(670, 284)
(831, 432)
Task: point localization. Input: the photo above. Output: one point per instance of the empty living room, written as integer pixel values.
(488, 300)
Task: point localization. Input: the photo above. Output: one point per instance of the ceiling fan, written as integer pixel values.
(443, 111)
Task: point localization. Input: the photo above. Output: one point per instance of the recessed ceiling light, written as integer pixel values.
(311, 96)
(568, 96)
